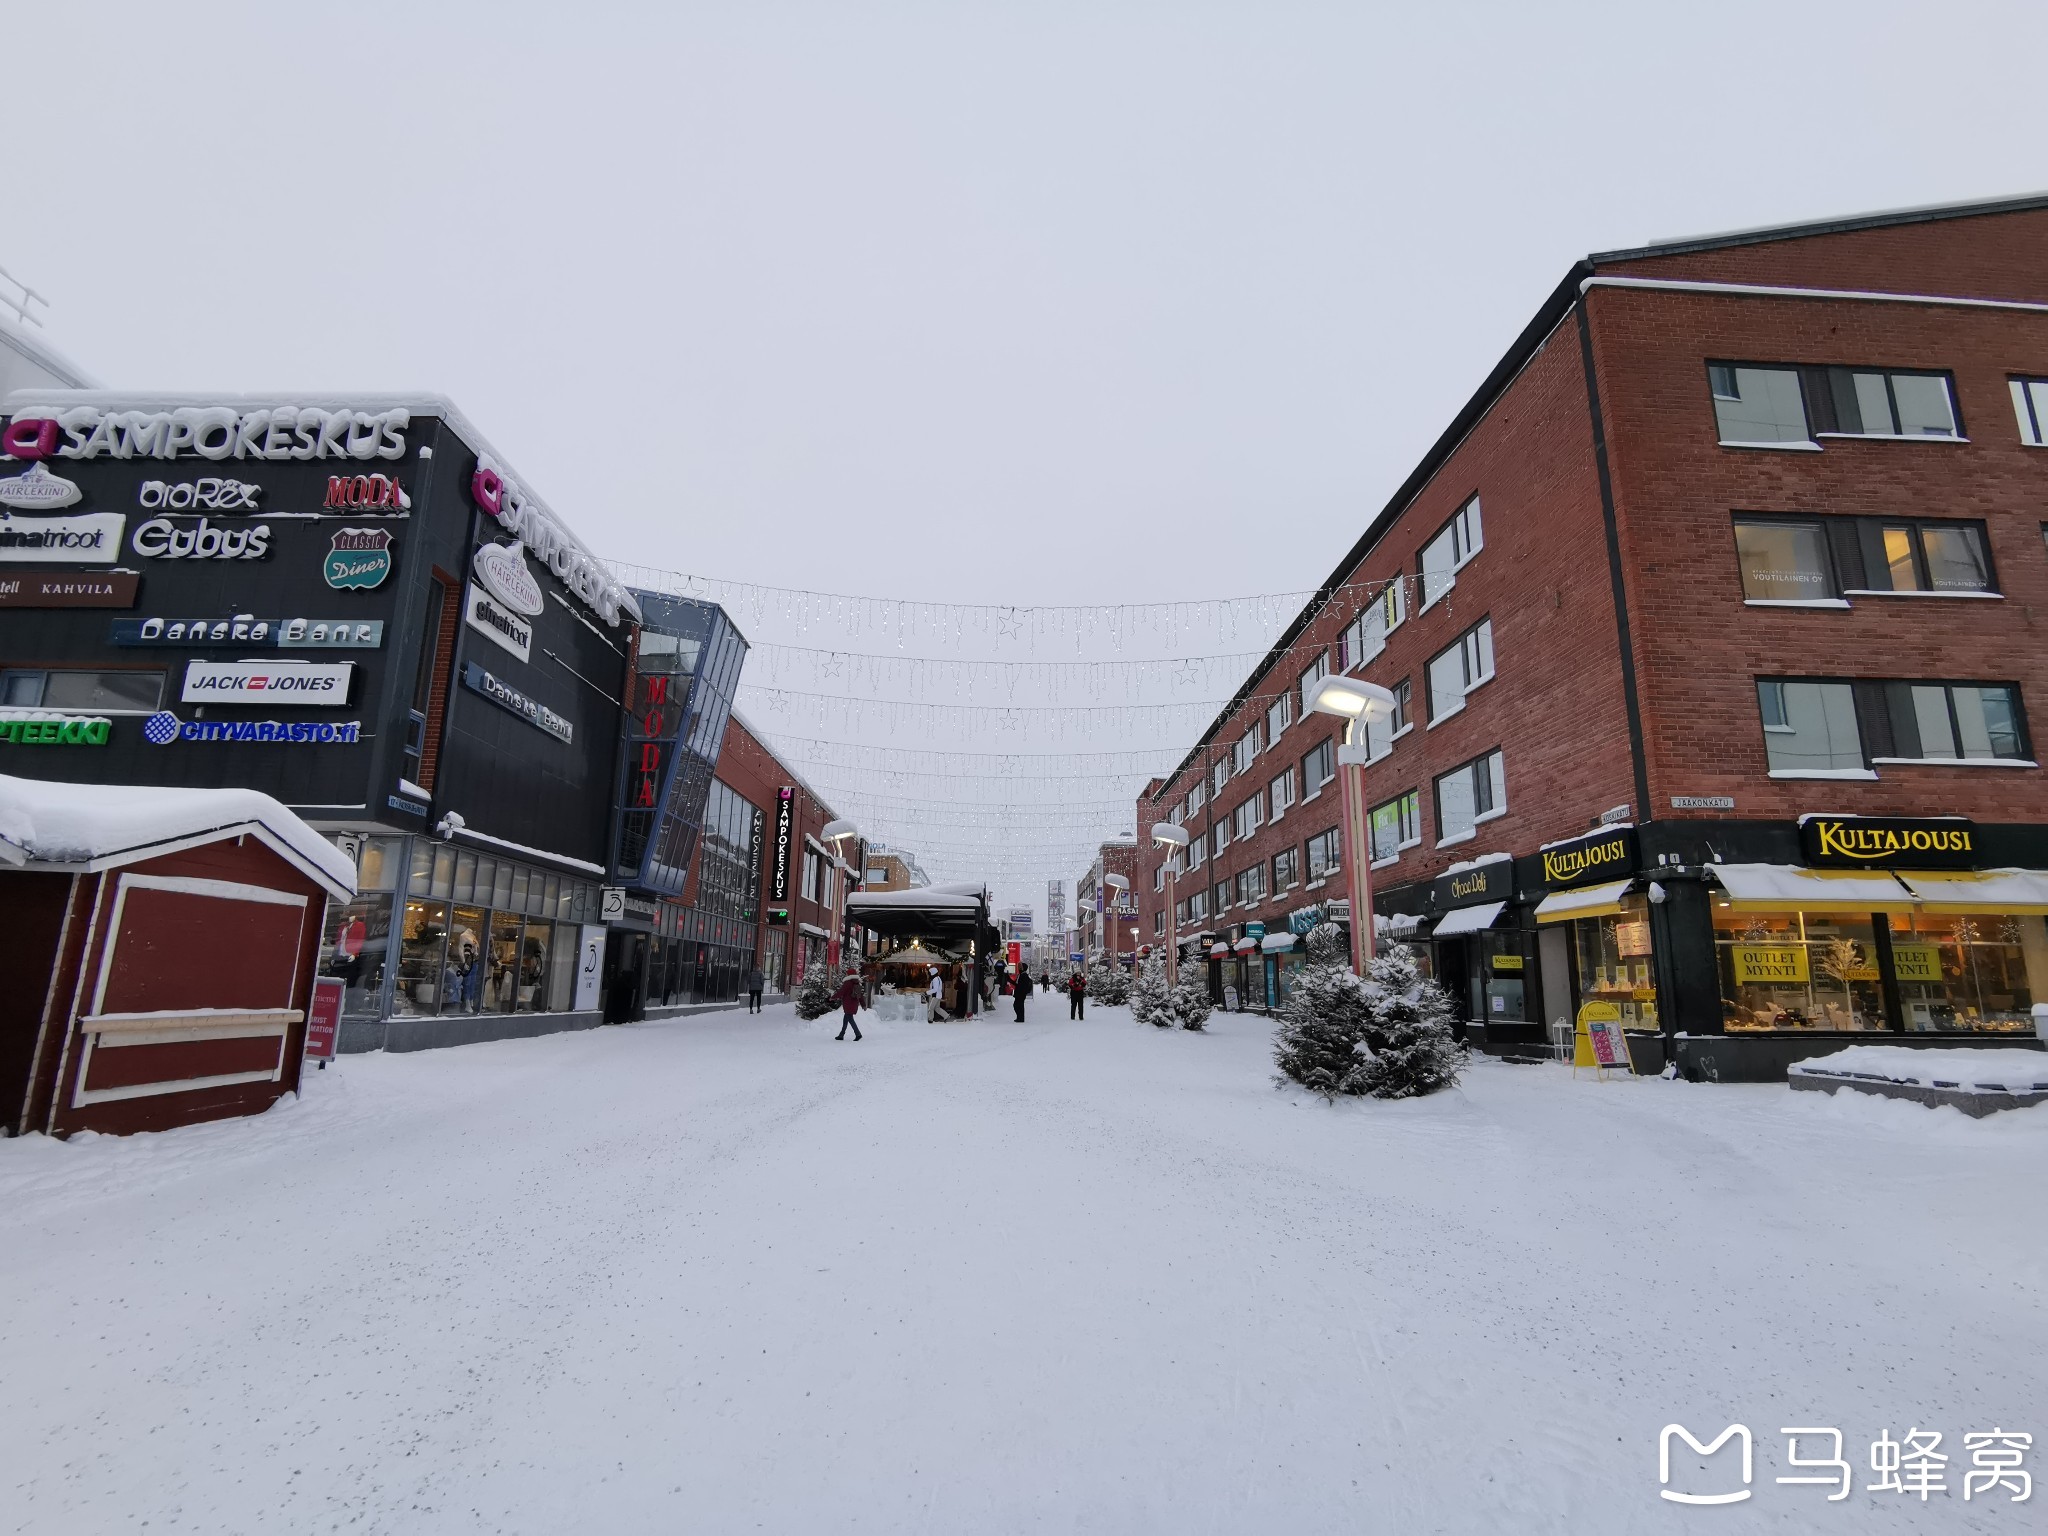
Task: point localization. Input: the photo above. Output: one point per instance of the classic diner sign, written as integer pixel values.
(1609, 854)
(1888, 842)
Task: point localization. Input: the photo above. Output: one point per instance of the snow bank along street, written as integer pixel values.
(726, 1274)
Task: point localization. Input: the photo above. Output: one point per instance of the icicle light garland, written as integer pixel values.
(776, 665)
(901, 620)
(1031, 766)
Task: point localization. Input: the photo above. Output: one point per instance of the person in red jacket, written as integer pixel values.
(1077, 992)
(849, 1000)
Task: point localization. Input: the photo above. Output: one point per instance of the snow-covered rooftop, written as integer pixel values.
(43, 822)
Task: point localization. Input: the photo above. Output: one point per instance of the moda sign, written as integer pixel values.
(1889, 842)
(242, 682)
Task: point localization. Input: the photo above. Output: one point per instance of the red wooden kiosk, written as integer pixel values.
(159, 951)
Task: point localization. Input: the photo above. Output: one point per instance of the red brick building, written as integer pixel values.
(1713, 617)
(1109, 929)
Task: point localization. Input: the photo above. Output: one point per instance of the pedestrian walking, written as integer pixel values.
(1021, 991)
(849, 1002)
(755, 982)
(935, 1010)
(1077, 994)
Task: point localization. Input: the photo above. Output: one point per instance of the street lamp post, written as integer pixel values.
(1174, 840)
(836, 833)
(1354, 701)
(1114, 884)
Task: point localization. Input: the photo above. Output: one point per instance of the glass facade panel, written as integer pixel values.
(421, 947)
(1783, 562)
(1964, 971)
(1758, 405)
(462, 987)
(1615, 963)
(501, 982)
(1798, 970)
(355, 947)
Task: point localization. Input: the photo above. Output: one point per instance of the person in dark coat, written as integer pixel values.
(1021, 991)
(849, 1001)
(1077, 994)
(755, 982)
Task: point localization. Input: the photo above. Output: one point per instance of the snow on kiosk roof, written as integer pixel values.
(83, 827)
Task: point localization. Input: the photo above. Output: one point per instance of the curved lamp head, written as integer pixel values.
(1349, 698)
(1167, 835)
(839, 831)
(1116, 882)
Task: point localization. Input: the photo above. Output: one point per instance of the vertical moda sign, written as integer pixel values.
(785, 820)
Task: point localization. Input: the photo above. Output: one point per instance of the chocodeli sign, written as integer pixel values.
(1889, 842)
(1593, 859)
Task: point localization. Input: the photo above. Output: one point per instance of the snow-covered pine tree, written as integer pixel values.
(814, 993)
(1149, 999)
(1190, 997)
(1325, 1019)
(1409, 1038)
(1109, 984)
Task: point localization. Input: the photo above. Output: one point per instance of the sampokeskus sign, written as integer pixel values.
(494, 489)
(207, 432)
(1889, 842)
(785, 818)
(1590, 860)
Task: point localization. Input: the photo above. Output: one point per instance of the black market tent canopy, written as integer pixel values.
(949, 913)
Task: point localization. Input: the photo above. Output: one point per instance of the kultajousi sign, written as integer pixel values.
(1888, 842)
(1609, 854)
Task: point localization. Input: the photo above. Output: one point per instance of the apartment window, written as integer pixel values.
(1159, 924)
(1286, 869)
(1784, 562)
(1180, 913)
(1251, 885)
(1198, 906)
(2030, 405)
(1380, 735)
(1282, 792)
(1809, 727)
(1459, 668)
(1317, 671)
(1934, 722)
(1926, 557)
(1219, 776)
(1396, 824)
(1318, 768)
(1467, 795)
(1251, 815)
(1174, 816)
(1758, 405)
(1367, 634)
(1873, 403)
(1222, 896)
(1197, 796)
(1323, 858)
(1198, 850)
(1159, 876)
(814, 867)
(1279, 715)
(82, 692)
(1446, 554)
(1221, 832)
(1246, 750)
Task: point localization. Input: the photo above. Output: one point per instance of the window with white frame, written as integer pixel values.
(1317, 671)
(1224, 894)
(1459, 668)
(1245, 752)
(1159, 876)
(1198, 906)
(1198, 850)
(1219, 776)
(814, 867)
(1221, 833)
(1469, 794)
(1449, 552)
(1367, 634)
(1286, 870)
(1251, 885)
(1251, 815)
(1318, 768)
(1282, 792)
(1396, 824)
(1174, 815)
(1382, 733)
(1198, 795)
(1159, 923)
(2030, 405)
(1323, 857)
(1279, 715)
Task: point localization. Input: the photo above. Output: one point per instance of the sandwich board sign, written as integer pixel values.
(1600, 1043)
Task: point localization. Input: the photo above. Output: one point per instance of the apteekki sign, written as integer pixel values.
(1590, 860)
(1889, 842)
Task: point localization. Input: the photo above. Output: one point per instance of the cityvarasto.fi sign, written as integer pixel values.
(1888, 842)
(1594, 859)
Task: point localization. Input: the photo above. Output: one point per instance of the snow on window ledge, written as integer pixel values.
(1466, 837)
(1485, 816)
(1786, 447)
(1959, 762)
(1452, 713)
(1387, 863)
(1822, 773)
(1795, 602)
(1897, 437)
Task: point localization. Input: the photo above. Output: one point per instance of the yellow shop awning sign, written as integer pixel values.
(1766, 963)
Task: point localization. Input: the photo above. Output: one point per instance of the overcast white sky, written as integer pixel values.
(1046, 303)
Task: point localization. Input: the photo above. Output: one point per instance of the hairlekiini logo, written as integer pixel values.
(38, 490)
(502, 570)
(360, 559)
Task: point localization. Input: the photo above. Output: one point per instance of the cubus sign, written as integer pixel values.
(1889, 842)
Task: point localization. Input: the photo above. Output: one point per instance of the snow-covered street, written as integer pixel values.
(727, 1274)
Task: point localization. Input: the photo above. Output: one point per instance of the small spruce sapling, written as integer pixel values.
(1409, 1050)
(814, 993)
(1325, 1019)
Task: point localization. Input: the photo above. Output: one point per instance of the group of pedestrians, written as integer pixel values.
(852, 997)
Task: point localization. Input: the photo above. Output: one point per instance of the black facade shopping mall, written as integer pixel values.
(1735, 948)
(356, 607)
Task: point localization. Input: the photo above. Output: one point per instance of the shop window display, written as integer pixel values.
(1964, 971)
(356, 947)
(422, 945)
(1614, 963)
(1798, 970)
(468, 964)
